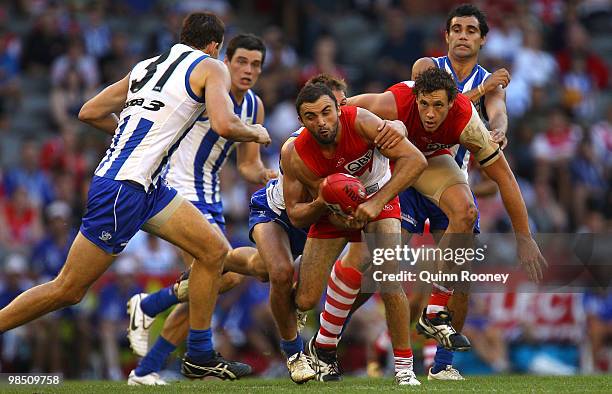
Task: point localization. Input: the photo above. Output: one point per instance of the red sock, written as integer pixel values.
(403, 359)
(438, 300)
(342, 289)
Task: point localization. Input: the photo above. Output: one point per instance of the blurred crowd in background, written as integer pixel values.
(54, 55)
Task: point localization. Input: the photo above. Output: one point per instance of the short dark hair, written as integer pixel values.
(202, 28)
(311, 93)
(249, 42)
(469, 10)
(333, 83)
(434, 79)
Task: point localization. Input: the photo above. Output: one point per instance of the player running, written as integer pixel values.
(194, 172)
(342, 140)
(158, 102)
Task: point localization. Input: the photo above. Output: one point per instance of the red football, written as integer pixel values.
(343, 193)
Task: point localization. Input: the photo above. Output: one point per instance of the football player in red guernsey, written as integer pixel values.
(342, 141)
(437, 118)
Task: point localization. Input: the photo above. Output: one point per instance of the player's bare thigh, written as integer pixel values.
(441, 173)
(86, 262)
(318, 257)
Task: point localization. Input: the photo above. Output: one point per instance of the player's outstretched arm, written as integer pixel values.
(298, 190)
(528, 252)
(250, 166)
(219, 106)
(381, 104)
(100, 111)
(477, 139)
(409, 164)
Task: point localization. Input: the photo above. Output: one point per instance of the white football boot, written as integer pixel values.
(299, 368)
(406, 377)
(152, 379)
(449, 373)
(140, 324)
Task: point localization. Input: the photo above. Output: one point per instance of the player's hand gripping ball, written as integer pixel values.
(343, 193)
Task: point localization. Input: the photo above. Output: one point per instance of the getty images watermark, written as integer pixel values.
(404, 254)
(487, 263)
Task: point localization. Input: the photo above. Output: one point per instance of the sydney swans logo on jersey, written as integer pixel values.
(357, 165)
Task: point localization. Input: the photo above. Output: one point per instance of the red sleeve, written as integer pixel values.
(462, 113)
(403, 94)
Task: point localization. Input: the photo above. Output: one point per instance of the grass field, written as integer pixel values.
(573, 384)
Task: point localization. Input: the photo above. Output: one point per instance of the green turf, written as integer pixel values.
(515, 383)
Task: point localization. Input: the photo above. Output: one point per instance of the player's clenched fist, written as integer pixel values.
(499, 77)
(262, 135)
(368, 210)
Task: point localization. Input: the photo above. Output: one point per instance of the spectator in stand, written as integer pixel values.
(62, 153)
(49, 254)
(325, 53)
(75, 60)
(166, 34)
(119, 59)
(587, 178)
(601, 133)
(401, 47)
(30, 177)
(156, 256)
(68, 96)
(532, 64)
(97, 32)
(10, 82)
(579, 46)
(13, 281)
(20, 222)
(598, 308)
(579, 91)
(504, 40)
(43, 44)
(111, 313)
(553, 150)
(546, 212)
(279, 55)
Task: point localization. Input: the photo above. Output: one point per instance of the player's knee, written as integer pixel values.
(68, 294)
(305, 302)
(232, 279)
(214, 255)
(465, 218)
(281, 277)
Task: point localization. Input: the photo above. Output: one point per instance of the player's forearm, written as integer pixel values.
(406, 171)
(498, 118)
(107, 124)
(235, 129)
(252, 172)
(305, 214)
(514, 204)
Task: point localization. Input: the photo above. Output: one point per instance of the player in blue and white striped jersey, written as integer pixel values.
(194, 172)
(158, 103)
